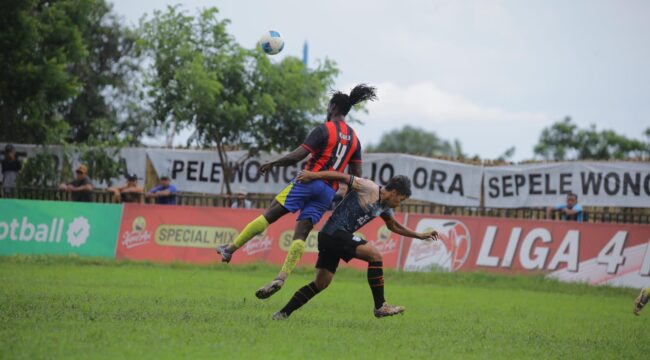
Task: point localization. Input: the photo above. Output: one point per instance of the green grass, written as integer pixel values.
(75, 308)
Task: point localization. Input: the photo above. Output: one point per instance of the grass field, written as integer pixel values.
(74, 308)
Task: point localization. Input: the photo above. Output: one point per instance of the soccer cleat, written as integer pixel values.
(226, 255)
(280, 316)
(270, 289)
(388, 310)
(641, 301)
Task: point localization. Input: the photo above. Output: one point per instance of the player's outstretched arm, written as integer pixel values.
(307, 176)
(398, 228)
(291, 158)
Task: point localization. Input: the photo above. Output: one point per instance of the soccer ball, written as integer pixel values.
(271, 42)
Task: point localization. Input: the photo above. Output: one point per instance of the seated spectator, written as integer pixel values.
(242, 202)
(571, 211)
(80, 189)
(130, 192)
(10, 168)
(165, 193)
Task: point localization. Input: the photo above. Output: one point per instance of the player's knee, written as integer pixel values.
(322, 284)
(303, 229)
(375, 256)
(270, 217)
(323, 281)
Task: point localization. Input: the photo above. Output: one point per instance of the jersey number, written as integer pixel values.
(340, 150)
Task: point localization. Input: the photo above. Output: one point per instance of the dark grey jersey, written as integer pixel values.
(358, 208)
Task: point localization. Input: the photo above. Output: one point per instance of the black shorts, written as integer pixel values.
(332, 248)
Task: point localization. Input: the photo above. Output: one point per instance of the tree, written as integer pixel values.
(108, 100)
(231, 97)
(507, 155)
(565, 141)
(416, 141)
(66, 70)
(40, 170)
(39, 42)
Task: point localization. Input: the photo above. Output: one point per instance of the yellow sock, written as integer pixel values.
(296, 250)
(253, 228)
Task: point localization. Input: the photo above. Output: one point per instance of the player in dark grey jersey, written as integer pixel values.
(337, 241)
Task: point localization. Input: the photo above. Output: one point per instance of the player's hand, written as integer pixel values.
(306, 176)
(266, 167)
(430, 235)
(63, 187)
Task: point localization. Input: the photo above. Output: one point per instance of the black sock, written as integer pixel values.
(300, 298)
(376, 282)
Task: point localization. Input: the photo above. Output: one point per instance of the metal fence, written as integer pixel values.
(262, 201)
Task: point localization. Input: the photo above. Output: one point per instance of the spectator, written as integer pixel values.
(80, 188)
(571, 211)
(10, 168)
(242, 202)
(130, 192)
(165, 193)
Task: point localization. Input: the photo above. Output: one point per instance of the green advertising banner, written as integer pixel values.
(58, 228)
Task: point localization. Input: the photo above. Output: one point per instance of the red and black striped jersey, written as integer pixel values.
(332, 146)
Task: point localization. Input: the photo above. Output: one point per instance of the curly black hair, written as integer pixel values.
(345, 102)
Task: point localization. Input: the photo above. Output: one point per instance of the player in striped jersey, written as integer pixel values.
(332, 145)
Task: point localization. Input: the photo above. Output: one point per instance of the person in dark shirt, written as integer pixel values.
(130, 192)
(165, 193)
(10, 168)
(337, 240)
(80, 189)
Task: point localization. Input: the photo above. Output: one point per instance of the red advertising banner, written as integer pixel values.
(191, 234)
(616, 254)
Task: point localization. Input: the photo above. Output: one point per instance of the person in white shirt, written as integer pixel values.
(242, 202)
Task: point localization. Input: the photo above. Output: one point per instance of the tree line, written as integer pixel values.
(562, 140)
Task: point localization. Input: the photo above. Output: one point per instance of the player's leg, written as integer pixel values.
(291, 199)
(320, 197)
(252, 229)
(297, 248)
(641, 300)
(369, 253)
(325, 270)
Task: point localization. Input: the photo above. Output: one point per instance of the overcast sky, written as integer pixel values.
(492, 74)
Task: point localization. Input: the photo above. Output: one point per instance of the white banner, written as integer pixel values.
(438, 181)
(202, 171)
(625, 184)
(621, 184)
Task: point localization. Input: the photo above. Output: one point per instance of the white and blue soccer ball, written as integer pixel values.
(272, 42)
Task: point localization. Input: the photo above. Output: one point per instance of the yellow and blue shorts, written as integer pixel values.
(313, 199)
